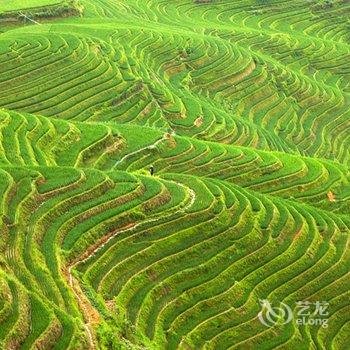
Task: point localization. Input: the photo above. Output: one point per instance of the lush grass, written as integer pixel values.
(24, 4)
(241, 107)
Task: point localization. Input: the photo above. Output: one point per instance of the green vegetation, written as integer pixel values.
(14, 5)
(241, 107)
(30, 11)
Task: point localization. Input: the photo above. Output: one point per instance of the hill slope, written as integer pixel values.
(242, 108)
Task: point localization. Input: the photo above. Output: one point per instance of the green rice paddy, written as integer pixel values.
(243, 110)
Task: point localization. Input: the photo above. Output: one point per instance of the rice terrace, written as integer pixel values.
(175, 174)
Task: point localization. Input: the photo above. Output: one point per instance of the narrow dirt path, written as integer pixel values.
(90, 314)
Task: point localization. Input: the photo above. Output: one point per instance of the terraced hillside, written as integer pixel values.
(242, 107)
